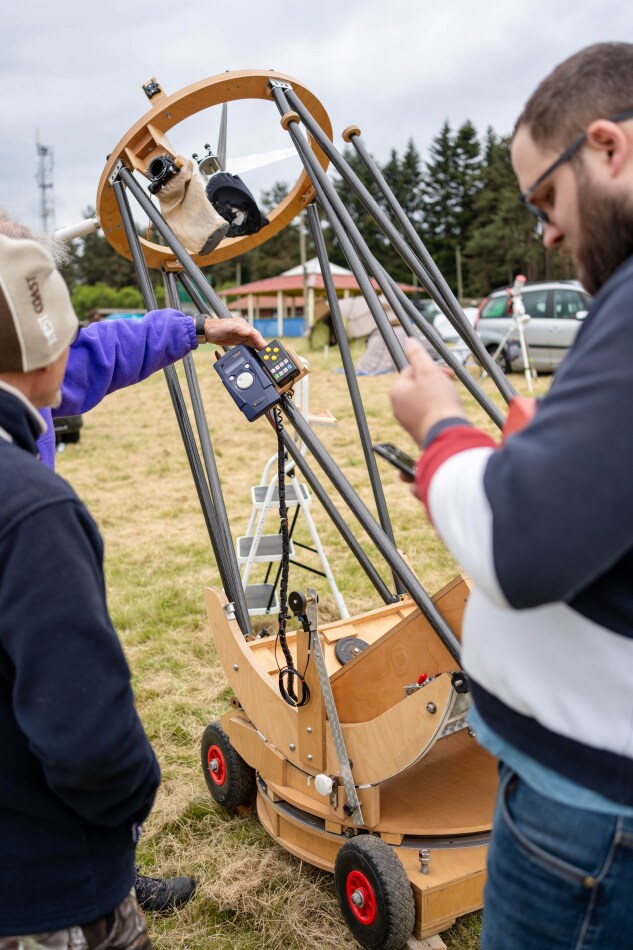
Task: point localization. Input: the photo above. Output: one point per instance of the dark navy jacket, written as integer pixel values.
(544, 526)
(76, 769)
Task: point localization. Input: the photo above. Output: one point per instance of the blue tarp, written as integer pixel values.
(293, 326)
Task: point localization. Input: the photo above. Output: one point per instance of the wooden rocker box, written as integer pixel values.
(422, 780)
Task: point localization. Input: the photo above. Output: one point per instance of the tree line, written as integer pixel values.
(462, 201)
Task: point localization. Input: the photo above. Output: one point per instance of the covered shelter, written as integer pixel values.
(301, 287)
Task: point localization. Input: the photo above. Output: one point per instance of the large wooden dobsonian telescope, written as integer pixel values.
(358, 751)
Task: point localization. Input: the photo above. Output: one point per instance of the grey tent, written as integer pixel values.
(376, 358)
(360, 322)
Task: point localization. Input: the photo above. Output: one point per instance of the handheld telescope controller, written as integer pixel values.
(256, 379)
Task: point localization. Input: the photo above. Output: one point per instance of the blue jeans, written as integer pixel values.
(559, 878)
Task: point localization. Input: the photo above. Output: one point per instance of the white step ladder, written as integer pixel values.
(255, 547)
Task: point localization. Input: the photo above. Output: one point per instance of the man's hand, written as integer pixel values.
(230, 331)
(423, 394)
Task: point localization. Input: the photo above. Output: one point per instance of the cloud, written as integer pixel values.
(398, 68)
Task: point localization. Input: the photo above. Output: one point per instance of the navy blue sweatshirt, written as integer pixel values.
(77, 770)
(544, 526)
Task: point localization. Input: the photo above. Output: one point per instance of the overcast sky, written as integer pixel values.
(72, 72)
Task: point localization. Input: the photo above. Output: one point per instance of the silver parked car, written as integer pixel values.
(555, 309)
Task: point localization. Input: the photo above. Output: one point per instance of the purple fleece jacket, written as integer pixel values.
(112, 354)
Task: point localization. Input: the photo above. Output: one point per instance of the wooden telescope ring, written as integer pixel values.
(147, 140)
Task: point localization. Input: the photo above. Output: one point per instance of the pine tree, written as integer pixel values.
(506, 239)
(369, 230)
(451, 182)
(404, 176)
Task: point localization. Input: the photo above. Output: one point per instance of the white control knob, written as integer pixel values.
(244, 380)
(323, 784)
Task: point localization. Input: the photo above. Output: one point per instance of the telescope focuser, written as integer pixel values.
(160, 170)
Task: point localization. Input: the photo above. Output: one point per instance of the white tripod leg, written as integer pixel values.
(499, 350)
(524, 355)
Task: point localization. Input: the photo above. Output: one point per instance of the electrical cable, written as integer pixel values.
(289, 673)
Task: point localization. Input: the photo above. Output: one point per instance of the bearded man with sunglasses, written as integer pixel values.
(544, 526)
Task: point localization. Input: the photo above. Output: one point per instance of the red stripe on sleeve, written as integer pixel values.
(448, 443)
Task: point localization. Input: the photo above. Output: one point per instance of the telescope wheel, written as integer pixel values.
(374, 893)
(230, 780)
(349, 648)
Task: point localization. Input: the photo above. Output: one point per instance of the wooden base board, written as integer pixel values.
(453, 887)
(429, 943)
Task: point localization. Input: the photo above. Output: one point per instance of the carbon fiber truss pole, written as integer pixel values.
(201, 293)
(388, 550)
(375, 532)
(210, 464)
(234, 592)
(424, 267)
(344, 529)
(354, 247)
(352, 382)
(194, 273)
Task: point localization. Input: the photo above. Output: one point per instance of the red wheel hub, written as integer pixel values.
(361, 897)
(216, 765)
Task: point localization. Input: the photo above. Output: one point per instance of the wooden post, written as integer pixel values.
(280, 313)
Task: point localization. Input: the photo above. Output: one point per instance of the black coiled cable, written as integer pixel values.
(288, 673)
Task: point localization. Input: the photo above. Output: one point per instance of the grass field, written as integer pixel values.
(131, 470)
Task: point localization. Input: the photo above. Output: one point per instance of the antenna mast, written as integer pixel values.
(44, 178)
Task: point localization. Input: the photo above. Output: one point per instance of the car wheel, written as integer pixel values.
(230, 780)
(502, 358)
(374, 893)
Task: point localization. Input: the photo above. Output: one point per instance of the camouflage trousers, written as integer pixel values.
(124, 929)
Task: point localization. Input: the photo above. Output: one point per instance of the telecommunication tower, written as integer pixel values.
(44, 178)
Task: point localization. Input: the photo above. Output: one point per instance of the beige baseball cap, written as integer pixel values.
(37, 321)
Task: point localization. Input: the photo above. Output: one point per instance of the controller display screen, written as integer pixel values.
(234, 365)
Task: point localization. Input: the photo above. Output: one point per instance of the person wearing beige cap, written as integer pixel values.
(38, 323)
(113, 354)
(107, 356)
(80, 775)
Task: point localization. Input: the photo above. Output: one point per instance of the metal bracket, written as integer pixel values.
(229, 611)
(352, 807)
(116, 171)
(278, 84)
(334, 792)
(452, 727)
(151, 88)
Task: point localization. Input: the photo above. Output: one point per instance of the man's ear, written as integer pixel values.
(612, 141)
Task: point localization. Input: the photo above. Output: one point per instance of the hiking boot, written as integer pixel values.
(162, 895)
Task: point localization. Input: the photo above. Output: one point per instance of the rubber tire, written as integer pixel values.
(395, 910)
(238, 787)
(502, 359)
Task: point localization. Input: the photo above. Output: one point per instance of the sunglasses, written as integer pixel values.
(565, 156)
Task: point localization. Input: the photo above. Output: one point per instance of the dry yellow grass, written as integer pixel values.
(131, 469)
